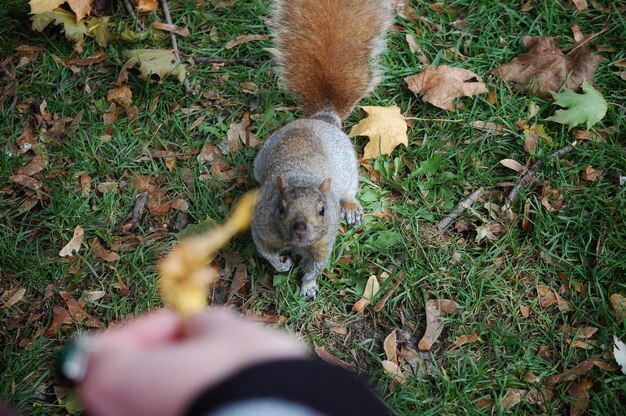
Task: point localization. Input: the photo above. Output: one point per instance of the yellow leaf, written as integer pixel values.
(80, 7)
(155, 61)
(73, 31)
(440, 85)
(98, 28)
(386, 128)
(147, 6)
(184, 277)
(42, 6)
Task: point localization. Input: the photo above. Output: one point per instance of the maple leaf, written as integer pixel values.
(544, 68)
(98, 28)
(154, 61)
(80, 7)
(386, 128)
(440, 85)
(588, 107)
(74, 31)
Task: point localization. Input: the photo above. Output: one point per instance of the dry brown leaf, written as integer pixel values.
(104, 187)
(415, 48)
(544, 68)
(42, 6)
(146, 6)
(551, 199)
(36, 165)
(486, 402)
(266, 318)
(121, 96)
(371, 289)
(81, 8)
(331, 359)
(102, 253)
(580, 6)
(180, 31)
(574, 372)
(466, 339)
(74, 244)
(618, 302)
(492, 129)
(77, 312)
(392, 369)
(385, 126)
(531, 377)
(184, 279)
(60, 316)
(512, 398)
(434, 325)
(585, 332)
(579, 395)
(240, 278)
(440, 85)
(91, 296)
(17, 296)
(26, 141)
(589, 174)
(563, 304)
(546, 296)
(243, 39)
(95, 59)
(390, 346)
(512, 164)
(525, 311)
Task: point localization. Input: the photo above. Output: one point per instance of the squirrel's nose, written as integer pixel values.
(299, 228)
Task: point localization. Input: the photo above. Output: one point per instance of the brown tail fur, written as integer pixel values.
(327, 50)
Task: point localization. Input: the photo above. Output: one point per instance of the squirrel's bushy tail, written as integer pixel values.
(327, 50)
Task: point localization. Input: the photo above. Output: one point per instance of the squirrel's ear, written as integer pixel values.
(325, 187)
(282, 184)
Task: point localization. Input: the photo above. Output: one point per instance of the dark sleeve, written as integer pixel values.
(312, 383)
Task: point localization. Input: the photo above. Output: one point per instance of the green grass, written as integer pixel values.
(490, 283)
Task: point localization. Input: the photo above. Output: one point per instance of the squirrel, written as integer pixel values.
(327, 56)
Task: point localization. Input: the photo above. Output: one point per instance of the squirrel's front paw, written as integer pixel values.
(352, 211)
(282, 264)
(309, 290)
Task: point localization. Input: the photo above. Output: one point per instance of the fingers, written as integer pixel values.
(156, 327)
(208, 321)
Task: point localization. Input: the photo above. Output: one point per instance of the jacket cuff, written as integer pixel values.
(310, 382)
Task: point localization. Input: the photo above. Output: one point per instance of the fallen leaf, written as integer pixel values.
(180, 31)
(546, 296)
(512, 164)
(60, 316)
(240, 278)
(573, 373)
(36, 165)
(146, 6)
(266, 318)
(390, 346)
(563, 304)
(545, 69)
(97, 58)
(17, 296)
(385, 126)
(331, 359)
(551, 199)
(580, 6)
(525, 311)
(104, 187)
(81, 8)
(102, 253)
(74, 244)
(589, 107)
(415, 48)
(466, 339)
(492, 129)
(243, 39)
(74, 31)
(154, 61)
(486, 402)
(26, 141)
(85, 184)
(589, 174)
(371, 289)
(77, 312)
(440, 85)
(91, 296)
(585, 332)
(531, 377)
(618, 302)
(121, 96)
(392, 369)
(434, 325)
(512, 398)
(42, 6)
(579, 395)
(619, 352)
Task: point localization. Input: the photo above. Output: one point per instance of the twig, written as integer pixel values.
(585, 41)
(245, 62)
(445, 120)
(526, 178)
(129, 9)
(458, 210)
(168, 19)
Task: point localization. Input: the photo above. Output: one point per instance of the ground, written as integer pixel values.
(524, 293)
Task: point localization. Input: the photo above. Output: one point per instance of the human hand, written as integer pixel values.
(157, 364)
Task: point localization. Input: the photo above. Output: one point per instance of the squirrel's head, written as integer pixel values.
(303, 212)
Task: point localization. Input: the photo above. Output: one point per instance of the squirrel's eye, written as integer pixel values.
(321, 211)
(281, 208)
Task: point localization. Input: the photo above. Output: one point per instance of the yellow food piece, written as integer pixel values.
(184, 274)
